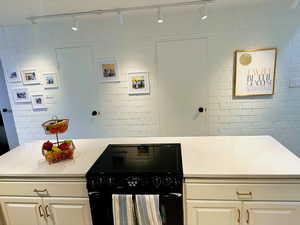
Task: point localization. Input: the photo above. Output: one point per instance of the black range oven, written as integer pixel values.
(137, 169)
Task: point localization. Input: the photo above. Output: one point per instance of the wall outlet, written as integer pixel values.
(295, 83)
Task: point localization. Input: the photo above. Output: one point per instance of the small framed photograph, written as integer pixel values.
(50, 80)
(255, 72)
(108, 70)
(38, 101)
(138, 83)
(30, 77)
(13, 76)
(21, 95)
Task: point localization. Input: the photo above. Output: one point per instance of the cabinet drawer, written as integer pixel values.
(44, 189)
(272, 192)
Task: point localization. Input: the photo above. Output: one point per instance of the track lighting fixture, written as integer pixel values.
(203, 12)
(119, 11)
(75, 24)
(121, 17)
(160, 18)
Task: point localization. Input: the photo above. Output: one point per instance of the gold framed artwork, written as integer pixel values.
(254, 72)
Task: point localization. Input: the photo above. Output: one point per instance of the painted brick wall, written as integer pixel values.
(134, 46)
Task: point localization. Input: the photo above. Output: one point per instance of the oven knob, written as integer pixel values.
(110, 181)
(156, 181)
(168, 181)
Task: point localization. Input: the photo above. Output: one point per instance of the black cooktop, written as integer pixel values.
(139, 159)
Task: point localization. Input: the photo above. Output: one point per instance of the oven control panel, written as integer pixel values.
(133, 183)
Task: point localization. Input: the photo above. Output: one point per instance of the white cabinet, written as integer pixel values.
(241, 202)
(21, 211)
(67, 211)
(213, 213)
(271, 213)
(44, 202)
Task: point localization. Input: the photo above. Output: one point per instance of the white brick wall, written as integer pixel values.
(134, 46)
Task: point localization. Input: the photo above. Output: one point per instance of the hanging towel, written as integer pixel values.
(123, 210)
(147, 210)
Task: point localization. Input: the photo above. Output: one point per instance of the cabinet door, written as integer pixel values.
(68, 211)
(21, 211)
(271, 213)
(213, 213)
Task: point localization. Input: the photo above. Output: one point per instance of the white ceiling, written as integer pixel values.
(15, 11)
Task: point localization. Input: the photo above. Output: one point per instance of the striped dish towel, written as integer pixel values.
(147, 210)
(123, 210)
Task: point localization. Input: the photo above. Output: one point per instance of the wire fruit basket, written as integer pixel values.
(60, 150)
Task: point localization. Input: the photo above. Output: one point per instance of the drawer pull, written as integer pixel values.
(40, 191)
(248, 217)
(46, 209)
(244, 194)
(239, 216)
(41, 211)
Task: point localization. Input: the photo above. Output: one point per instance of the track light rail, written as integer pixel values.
(34, 19)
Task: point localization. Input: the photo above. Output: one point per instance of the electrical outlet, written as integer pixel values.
(295, 83)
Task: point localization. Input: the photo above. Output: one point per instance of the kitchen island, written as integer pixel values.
(228, 180)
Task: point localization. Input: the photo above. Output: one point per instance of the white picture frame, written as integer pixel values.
(13, 76)
(38, 101)
(50, 80)
(30, 76)
(21, 95)
(255, 72)
(12, 72)
(108, 70)
(138, 83)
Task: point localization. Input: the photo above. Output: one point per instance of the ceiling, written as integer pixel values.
(15, 11)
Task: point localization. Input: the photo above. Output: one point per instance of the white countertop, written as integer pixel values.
(206, 157)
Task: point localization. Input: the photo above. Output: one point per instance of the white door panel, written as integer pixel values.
(79, 90)
(21, 211)
(213, 213)
(182, 81)
(68, 211)
(271, 213)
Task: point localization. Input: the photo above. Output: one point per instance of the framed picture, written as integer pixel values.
(50, 80)
(38, 101)
(30, 77)
(21, 95)
(138, 83)
(255, 72)
(108, 70)
(13, 76)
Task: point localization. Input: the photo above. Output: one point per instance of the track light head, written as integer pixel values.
(203, 12)
(121, 17)
(160, 18)
(75, 24)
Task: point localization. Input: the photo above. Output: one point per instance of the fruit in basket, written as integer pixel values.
(57, 156)
(48, 146)
(56, 149)
(64, 146)
(49, 156)
(59, 126)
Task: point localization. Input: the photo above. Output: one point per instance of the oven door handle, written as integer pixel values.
(168, 195)
(178, 195)
(93, 193)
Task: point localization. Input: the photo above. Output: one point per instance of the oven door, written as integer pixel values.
(171, 209)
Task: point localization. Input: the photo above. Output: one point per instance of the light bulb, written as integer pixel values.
(203, 12)
(75, 24)
(160, 18)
